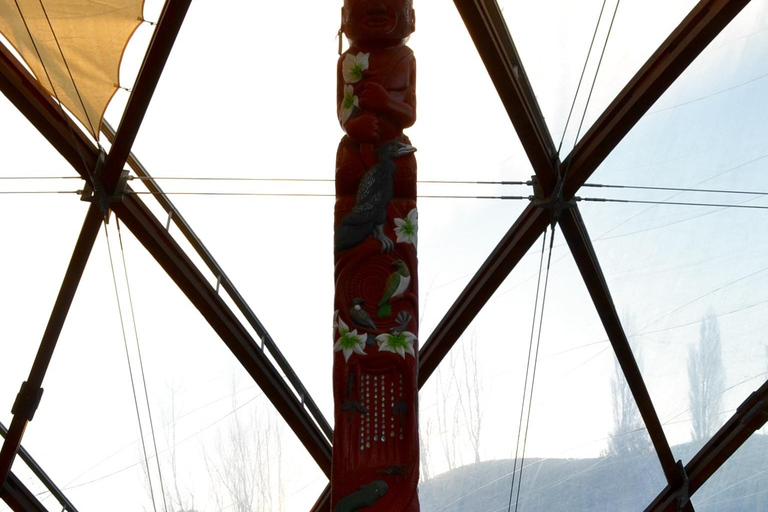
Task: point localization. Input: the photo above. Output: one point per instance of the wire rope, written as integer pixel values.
(314, 180)
(671, 203)
(130, 368)
(678, 189)
(597, 72)
(535, 366)
(527, 368)
(141, 364)
(581, 78)
(589, 99)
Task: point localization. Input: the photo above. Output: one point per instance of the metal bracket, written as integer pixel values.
(95, 191)
(27, 401)
(759, 411)
(683, 496)
(554, 203)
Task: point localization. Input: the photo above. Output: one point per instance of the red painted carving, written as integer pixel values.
(376, 447)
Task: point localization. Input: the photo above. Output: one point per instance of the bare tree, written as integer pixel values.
(469, 389)
(447, 416)
(245, 469)
(706, 376)
(180, 501)
(629, 436)
(425, 434)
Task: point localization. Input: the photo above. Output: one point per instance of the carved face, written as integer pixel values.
(377, 20)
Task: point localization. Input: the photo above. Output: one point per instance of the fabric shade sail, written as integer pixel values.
(74, 48)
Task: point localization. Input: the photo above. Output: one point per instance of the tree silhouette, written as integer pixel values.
(705, 378)
(629, 436)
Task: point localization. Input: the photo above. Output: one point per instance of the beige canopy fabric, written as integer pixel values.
(80, 44)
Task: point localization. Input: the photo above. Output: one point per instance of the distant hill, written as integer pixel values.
(605, 484)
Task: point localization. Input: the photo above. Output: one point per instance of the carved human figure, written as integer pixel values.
(376, 301)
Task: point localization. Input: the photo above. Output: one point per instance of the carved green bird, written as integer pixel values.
(397, 284)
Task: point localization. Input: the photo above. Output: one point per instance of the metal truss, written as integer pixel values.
(558, 183)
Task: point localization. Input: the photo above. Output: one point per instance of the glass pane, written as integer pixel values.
(573, 454)
(212, 426)
(693, 278)
(553, 38)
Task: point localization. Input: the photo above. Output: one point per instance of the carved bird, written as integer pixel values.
(397, 283)
(360, 316)
(374, 193)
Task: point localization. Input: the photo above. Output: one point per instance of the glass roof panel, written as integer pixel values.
(568, 463)
(553, 39)
(692, 276)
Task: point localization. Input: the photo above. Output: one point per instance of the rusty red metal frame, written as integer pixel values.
(32, 101)
(160, 46)
(486, 25)
(18, 497)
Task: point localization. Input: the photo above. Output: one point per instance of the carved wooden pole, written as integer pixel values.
(375, 444)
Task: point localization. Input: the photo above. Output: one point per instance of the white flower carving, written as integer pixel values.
(398, 343)
(348, 104)
(407, 229)
(353, 66)
(350, 342)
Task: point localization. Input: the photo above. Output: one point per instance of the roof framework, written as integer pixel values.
(559, 182)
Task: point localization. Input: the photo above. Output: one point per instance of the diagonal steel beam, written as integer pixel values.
(161, 245)
(575, 232)
(18, 497)
(227, 285)
(751, 415)
(488, 30)
(31, 390)
(486, 25)
(31, 100)
(160, 46)
(168, 26)
(67, 505)
(515, 244)
(21, 88)
(707, 19)
(694, 33)
(323, 503)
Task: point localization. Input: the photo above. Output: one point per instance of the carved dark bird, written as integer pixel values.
(364, 497)
(374, 193)
(360, 316)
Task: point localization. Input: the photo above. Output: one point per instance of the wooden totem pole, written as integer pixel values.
(375, 444)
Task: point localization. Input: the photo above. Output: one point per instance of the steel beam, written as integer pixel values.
(168, 26)
(702, 25)
(21, 88)
(42, 475)
(18, 497)
(488, 30)
(31, 391)
(323, 503)
(226, 283)
(27, 94)
(751, 415)
(161, 245)
(673, 57)
(515, 244)
(575, 232)
(160, 46)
